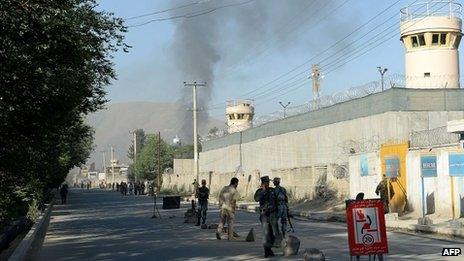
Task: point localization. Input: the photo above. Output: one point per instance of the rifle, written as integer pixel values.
(290, 216)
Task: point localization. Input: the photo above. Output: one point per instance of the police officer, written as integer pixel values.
(266, 198)
(280, 223)
(203, 196)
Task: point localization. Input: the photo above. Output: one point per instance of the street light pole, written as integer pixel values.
(382, 72)
(285, 108)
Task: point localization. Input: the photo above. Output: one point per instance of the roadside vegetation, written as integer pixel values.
(55, 62)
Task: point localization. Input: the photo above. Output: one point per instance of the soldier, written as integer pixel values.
(383, 191)
(227, 203)
(203, 196)
(280, 221)
(266, 198)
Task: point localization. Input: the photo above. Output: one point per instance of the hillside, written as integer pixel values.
(112, 126)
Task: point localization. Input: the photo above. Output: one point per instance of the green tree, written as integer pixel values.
(147, 166)
(55, 61)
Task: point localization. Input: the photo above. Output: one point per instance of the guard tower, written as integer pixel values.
(431, 33)
(239, 115)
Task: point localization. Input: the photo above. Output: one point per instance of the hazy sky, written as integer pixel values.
(246, 46)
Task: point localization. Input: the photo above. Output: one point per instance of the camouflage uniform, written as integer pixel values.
(281, 217)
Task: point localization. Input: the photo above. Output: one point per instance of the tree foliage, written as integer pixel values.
(55, 61)
(148, 163)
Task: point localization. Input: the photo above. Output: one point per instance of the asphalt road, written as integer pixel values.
(103, 225)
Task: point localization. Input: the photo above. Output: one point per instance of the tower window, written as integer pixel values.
(240, 116)
(427, 74)
(457, 41)
(421, 40)
(435, 38)
(443, 39)
(414, 41)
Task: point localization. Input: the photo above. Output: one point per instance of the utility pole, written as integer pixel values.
(316, 77)
(195, 130)
(104, 161)
(159, 162)
(382, 72)
(112, 162)
(134, 145)
(285, 108)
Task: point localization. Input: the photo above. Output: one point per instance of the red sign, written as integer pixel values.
(366, 227)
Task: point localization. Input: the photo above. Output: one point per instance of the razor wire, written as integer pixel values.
(433, 137)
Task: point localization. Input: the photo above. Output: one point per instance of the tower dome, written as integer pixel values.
(431, 33)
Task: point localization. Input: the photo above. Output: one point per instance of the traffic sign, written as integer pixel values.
(366, 227)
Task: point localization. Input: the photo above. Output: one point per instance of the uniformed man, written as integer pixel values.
(203, 196)
(267, 208)
(228, 197)
(280, 223)
(382, 191)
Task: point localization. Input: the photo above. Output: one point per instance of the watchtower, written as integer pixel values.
(239, 115)
(431, 33)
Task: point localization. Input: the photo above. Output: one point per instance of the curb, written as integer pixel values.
(32, 242)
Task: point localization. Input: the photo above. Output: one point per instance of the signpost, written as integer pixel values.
(428, 170)
(366, 228)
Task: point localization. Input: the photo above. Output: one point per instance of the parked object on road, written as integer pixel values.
(267, 208)
(190, 215)
(290, 245)
(228, 197)
(171, 202)
(251, 236)
(313, 254)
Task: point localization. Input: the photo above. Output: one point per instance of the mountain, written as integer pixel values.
(113, 124)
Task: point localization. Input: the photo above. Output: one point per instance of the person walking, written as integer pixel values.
(267, 208)
(279, 222)
(228, 197)
(64, 193)
(203, 196)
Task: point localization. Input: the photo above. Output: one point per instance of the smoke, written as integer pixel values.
(235, 34)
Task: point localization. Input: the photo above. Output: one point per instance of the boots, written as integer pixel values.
(198, 221)
(268, 252)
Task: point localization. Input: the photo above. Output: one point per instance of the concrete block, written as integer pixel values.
(425, 221)
(313, 254)
(290, 245)
(391, 216)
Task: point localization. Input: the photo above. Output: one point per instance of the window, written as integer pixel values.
(457, 41)
(421, 40)
(427, 74)
(443, 39)
(414, 41)
(240, 116)
(435, 38)
(231, 117)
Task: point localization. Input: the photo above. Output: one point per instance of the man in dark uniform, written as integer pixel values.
(280, 223)
(382, 191)
(266, 198)
(203, 196)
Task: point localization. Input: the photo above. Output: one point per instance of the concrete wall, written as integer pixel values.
(438, 191)
(365, 184)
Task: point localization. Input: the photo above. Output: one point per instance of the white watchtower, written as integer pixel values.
(239, 115)
(431, 33)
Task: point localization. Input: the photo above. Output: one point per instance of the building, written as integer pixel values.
(348, 147)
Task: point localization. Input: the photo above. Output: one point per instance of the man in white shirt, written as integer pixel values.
(227, 203)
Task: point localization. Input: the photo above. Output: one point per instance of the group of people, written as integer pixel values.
(273, 206)
(131, 188)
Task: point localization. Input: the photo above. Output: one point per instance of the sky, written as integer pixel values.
(251, 49)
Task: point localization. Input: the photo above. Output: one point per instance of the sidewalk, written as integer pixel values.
(453, 228)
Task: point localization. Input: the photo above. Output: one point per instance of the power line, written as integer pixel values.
(191, 15)
(163, 11)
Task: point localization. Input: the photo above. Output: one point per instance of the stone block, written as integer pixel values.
(313, 254)
(290, 245)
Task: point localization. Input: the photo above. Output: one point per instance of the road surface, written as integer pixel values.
(103, 225)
